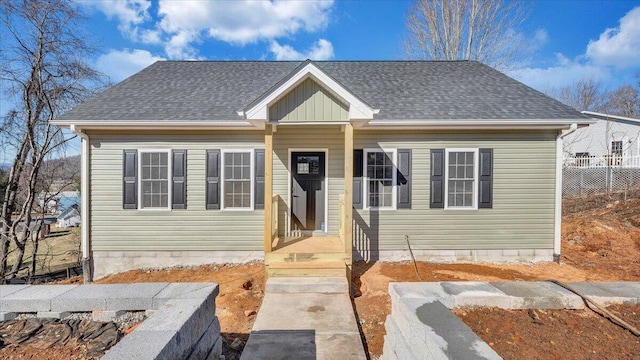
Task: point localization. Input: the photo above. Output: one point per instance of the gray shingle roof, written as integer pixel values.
(402, 90)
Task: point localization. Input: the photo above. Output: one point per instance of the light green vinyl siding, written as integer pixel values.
(523, 203)
(522, 216)
(309, 102)
(115, 229)
(309, 138)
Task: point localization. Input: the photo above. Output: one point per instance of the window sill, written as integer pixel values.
(461, 208)
(380, 208)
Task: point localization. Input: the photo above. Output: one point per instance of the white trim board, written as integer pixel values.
(365, 179)
(326, 181)
(169, 179)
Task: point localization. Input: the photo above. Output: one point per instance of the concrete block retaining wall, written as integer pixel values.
(421, 324)
(183, 324)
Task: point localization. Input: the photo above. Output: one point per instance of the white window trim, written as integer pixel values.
(252, 179)
(476, 177)
(365, 186)
(169, 179)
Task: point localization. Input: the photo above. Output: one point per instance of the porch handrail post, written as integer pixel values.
(268, 188)
(348, 188)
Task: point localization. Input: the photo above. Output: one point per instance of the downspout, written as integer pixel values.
(557, 233)
(84, 206)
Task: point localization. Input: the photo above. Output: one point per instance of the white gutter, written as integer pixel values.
(84, 206)
(557, 230)
(602, 116)
(156, 125)
(480, 122)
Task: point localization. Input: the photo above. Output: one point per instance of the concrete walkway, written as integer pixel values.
(305, 318)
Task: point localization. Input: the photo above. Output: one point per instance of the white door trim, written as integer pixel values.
(326, 181)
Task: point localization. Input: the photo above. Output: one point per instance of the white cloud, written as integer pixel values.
(616, 52)
(120, 64)
(563, 72)
(242, 22)
(179, 25)
(619, 46)
(127, 11)
(321, 50)
(131, 15)
(540, 37)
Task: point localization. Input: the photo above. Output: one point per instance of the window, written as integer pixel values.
(461, 178)
(380, 171)
(616, 148)
(237, 186)
(154, 179)
(616, 153)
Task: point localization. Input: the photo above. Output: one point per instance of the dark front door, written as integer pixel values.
(308, 190)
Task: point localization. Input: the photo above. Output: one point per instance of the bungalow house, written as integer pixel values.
(310, 164)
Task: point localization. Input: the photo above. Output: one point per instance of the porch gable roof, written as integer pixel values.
(258, 109)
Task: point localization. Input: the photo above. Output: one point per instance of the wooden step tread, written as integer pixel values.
(307, 265)
(302, 257)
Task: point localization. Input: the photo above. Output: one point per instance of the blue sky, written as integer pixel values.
(570, 40)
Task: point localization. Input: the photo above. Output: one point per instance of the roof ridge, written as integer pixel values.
(316, 61)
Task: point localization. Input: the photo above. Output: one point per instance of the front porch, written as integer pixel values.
(326, 250)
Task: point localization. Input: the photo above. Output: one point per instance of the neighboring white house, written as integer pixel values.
(69, 218)
(612, 139)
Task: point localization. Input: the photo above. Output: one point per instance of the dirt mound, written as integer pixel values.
(605, 240)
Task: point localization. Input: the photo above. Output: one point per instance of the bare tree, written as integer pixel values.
(623, 101)
(483, 30)
(584, 94)
(44, 62)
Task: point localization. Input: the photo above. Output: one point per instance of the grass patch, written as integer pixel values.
(59, 250)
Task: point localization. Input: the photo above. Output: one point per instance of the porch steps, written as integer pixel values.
(307, 268)
(314, 256)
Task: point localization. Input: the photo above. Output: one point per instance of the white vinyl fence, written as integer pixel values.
(590, 175)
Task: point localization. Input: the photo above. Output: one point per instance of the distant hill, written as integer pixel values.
(62, 174)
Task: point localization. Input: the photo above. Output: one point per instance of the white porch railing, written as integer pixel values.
(594, 162)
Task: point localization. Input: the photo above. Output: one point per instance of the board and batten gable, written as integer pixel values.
(192, 229)
(309, 102)
(522, 216)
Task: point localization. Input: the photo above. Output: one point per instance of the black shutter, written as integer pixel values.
(130, 179)
(213, 179)
(436, 200)
(179, 176)
(485, 193)
(259, 179)
(357, 178)
(403, 178)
